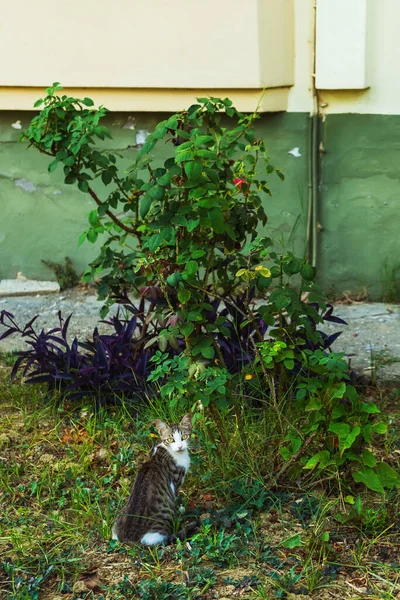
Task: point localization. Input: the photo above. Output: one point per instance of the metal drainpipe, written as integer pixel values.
(313, 167)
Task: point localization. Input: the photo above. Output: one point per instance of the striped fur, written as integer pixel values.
(149, 514)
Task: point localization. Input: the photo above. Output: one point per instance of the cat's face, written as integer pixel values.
(175, 438)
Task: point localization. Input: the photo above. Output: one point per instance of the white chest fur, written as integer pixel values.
(182, 459)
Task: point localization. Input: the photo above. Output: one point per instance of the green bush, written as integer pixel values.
(185, 236)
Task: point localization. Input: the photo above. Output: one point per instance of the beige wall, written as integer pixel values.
(379, 32)
(382, 65)
(149, 45)
(301, 94)
(152, 55)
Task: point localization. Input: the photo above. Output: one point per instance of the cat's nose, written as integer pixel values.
(180, 447)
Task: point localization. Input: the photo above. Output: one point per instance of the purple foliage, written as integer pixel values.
(118, 363)
(104, 367)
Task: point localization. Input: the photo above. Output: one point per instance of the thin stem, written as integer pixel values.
(109, 214)
(295, 456)
(122, 190)
(209, 264)
(215, 295)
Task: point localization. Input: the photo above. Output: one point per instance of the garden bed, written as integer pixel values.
(64, 475)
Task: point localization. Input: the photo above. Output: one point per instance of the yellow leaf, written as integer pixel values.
(240, 272)
(264, 271)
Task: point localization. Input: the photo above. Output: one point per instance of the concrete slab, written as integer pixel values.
(27, 287)
(371, 339)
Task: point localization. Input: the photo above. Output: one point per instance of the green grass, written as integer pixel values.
(64, 476)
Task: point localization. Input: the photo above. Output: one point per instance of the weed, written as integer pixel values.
(391, 283)
(378, 360)
(65, 273)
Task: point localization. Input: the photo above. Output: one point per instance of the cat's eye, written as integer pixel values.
(169, 440)
(184, 436)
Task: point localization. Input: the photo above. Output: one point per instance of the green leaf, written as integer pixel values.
(369, 407)
(221, 403)
(194, 315)
(347, 435)
(369, 478)
(187, 329)
(193, 170)
(160, 131)
(217, 220)
(165, 180)
(83, 186)
(172, 122)
(184, 295)
(368, 458)
(183, 156)
(293, 542)
(198, 253)
(167, 233)
(285, 453)
(289, 363)
(192, 267)
(366, 432)
(282, 301)
(292, 267)
(154, 242)
(314, 404)
(88, 102)
(53, 166)
(379, 428)
(388, 476)
(192, 225)
(145, 205)
(102, 209)
(106, 177)
(82, 238)
(70, 179)
(207, 154)
(179, 220)
(203, 139)
(338, 411)
(307, 272)
(157, 192)
(322, 457)
(339, 392)
(208, 352)
(173, 279)
(212, 175)
(93, 217)
(69, 161)
(225, 331)
(92, 236)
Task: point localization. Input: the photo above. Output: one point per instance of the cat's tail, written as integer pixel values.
(186, 531)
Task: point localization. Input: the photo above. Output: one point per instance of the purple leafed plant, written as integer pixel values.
(105, 367)
(118, 363)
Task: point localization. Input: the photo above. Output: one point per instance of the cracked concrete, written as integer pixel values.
(370, 340)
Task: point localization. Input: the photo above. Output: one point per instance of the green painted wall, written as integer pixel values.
(41, 217)
(359, 197)
(360, 203)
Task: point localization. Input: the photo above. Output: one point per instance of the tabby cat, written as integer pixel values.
(150, 511)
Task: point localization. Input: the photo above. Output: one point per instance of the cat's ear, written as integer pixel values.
(186, 421)
(161, 426)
